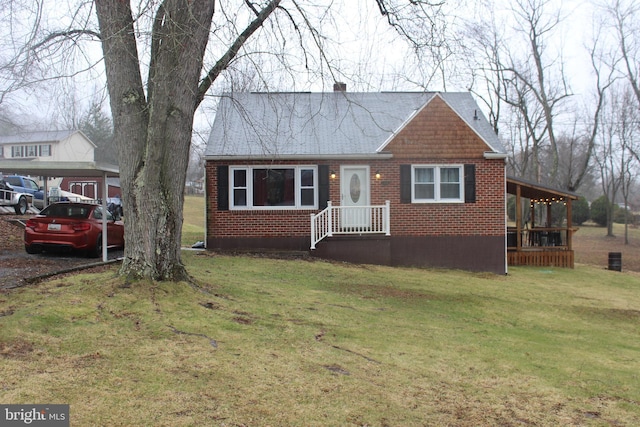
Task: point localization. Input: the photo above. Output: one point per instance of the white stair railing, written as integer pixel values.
(350, 220)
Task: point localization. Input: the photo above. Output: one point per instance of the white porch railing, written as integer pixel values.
(350, 220)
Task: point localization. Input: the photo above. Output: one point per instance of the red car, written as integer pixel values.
(72, 226)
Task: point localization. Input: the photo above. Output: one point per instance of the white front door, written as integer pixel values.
(354, 187)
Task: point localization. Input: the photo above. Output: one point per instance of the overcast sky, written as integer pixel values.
(364, 51)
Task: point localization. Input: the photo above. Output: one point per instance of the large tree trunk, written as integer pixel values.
(153, 129)
(153, 132)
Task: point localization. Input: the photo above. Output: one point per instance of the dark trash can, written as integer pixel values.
(615, 261)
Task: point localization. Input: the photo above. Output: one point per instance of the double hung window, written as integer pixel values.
(278, 187)
(28, 151)
(437, 184)
(44, 150)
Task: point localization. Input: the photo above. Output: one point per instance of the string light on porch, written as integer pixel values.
(548, 201)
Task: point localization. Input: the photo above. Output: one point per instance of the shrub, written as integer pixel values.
(580, 211)
(599, 210)
(619, 216)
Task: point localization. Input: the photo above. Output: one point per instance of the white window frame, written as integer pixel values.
(297, 183)
(44, 150)
(31, 151)
(437, 183)
(17, 151)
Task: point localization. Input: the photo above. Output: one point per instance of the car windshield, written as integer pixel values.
(66, 211)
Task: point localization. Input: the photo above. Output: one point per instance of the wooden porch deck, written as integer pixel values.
(545, 246)
(541, 257)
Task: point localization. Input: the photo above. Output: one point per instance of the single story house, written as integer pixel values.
(391, 178)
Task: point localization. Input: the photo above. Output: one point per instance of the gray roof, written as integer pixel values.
(290, 125)
(39, 136)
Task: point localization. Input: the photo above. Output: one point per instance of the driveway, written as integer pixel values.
(17, 268)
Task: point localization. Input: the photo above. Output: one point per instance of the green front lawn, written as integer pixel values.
(263, 342)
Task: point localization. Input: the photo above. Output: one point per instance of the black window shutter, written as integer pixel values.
(323, 186)
(405, 183)
(469, 183)
(223, 188)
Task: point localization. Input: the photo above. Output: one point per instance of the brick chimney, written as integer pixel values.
(339, 87)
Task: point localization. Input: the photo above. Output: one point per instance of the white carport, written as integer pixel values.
(65, 169)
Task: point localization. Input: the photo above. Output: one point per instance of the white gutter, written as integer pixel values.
(373, 156)
(490, 155)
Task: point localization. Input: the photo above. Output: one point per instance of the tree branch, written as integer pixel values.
(156, 40)
(233, 50)
(64, 34)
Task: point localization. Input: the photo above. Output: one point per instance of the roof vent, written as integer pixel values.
(339, 87)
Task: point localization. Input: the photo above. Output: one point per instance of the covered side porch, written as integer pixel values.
(543, 230)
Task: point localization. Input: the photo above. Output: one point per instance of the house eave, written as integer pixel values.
(369, 156)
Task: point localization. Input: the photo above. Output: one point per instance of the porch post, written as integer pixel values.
(387, 218)
(330, 219)
(518, 218)
(569, 223)
(313, 232)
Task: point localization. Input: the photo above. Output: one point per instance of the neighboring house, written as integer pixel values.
(61, 151)
(414, 179)
(50, 146)
(194, 186)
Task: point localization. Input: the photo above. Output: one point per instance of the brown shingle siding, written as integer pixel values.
(437, 132)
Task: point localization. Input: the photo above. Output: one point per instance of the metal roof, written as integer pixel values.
(333, 124)
(536, 191)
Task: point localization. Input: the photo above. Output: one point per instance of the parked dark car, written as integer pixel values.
(72, 226)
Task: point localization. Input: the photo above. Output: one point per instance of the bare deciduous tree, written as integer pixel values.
(155, 54)
(537, 79)
(624, 20)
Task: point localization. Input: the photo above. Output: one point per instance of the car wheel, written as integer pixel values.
(97, 249)
(32, 249)
(22, 206)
